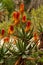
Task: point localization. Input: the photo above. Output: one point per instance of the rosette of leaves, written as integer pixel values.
(21, 34)
(3, 54)
(23, 54)
(20, 53)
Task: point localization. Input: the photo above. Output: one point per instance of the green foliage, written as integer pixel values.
(9, 4)
(30, 62)
(40, 28)
(21, 50)
(37, 16)
(10, 53)
(40, 60)
(3, 53)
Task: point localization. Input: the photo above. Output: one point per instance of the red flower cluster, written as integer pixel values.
(21, 16)
(16, 15)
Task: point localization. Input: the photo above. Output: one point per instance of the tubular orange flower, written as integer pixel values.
(16, 15)
(11, 29)
(28, 23)
(21, 7)
(3, 32)
(6, 39)
(24, 19)
(28, 26)
(35, 36)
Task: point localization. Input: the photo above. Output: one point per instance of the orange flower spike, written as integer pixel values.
(21, 7)
(24, 19)
(11, 30)
(16, 15)
(28, 26)
(6, 39)
(3, 32)
(35, 36)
